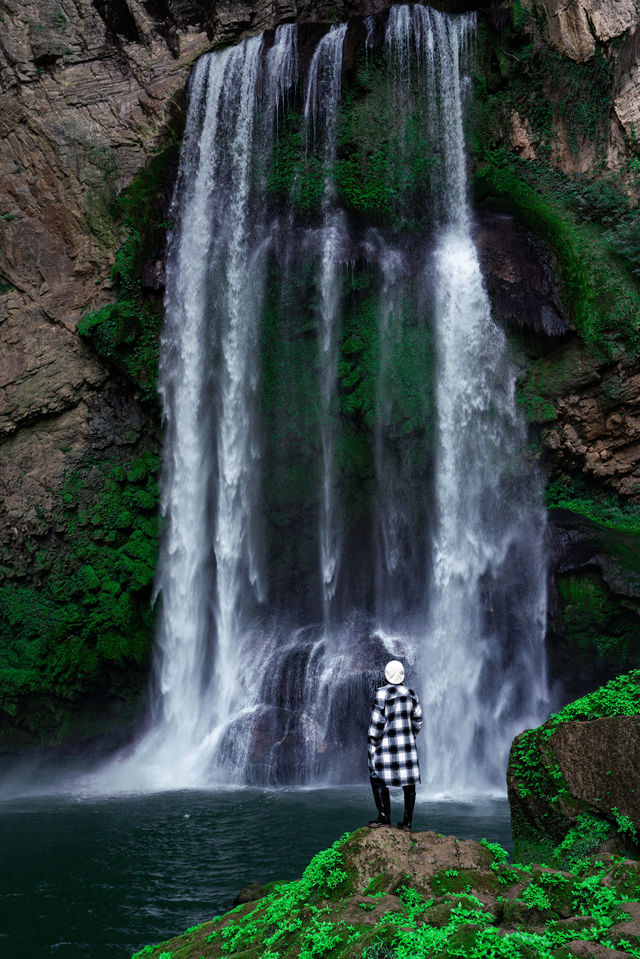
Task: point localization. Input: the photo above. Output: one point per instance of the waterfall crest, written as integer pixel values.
(436, 556)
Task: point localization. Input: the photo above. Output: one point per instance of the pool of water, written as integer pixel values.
(98, 878)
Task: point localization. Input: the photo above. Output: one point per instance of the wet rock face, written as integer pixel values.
(594, 602)
(598, 427)
(519, 274)
(598, 760)
(588, 407)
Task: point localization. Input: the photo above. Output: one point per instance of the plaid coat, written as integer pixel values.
(396, 720)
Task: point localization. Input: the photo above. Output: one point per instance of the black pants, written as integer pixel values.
(383, 801)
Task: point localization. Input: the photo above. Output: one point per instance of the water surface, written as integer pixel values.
(87, 878)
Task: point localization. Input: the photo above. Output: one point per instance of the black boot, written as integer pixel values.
(409, 803)
(383, 804)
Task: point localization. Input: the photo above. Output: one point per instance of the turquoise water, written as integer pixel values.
(99, 878)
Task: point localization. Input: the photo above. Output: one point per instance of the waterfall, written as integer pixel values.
(487, 551)
(287, 576)
(321, 114)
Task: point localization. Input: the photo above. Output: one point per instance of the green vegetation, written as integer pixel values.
(594, 622)
(599, 615)
(76, 632)
(317, 916)
(384, 169)
(600, 294)
(620, 697)
(75, 602)
(290, 404)
(539, 141)
(605, 509)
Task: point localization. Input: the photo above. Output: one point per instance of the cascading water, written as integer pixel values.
(487, 551)
(429, 548)
(321, 115)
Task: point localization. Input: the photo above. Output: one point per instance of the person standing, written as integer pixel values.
(396, 720)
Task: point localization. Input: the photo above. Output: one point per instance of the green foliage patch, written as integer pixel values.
(605, 509)
(587, 219)
(384, 394)
(82, 625)
(600, 294)
(384, 168)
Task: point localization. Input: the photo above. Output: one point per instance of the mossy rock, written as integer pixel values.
(571, 782)
(77, 638)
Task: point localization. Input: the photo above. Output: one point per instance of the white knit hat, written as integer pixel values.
(394, 672)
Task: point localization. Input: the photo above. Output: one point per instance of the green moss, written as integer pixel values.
(82, 630)
(606, 510)
(126, 334)
(587, 220)
(520, 71)
(599, 612)
(594, 622)
(600, 295)
(291, 405)
(582, 840)
(384, 168)
(548, 378)
(379, 884)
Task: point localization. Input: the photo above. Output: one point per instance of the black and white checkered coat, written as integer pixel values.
(396, 720)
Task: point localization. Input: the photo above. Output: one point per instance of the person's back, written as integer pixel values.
(396, 719)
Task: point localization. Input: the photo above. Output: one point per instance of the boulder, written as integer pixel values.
(573, 784)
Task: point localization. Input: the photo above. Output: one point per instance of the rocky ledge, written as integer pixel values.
(384, 893)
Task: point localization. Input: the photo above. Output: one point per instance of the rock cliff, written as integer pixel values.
(552, 150)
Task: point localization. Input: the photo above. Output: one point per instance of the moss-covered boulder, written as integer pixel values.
(385, 894)
(573, 782)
